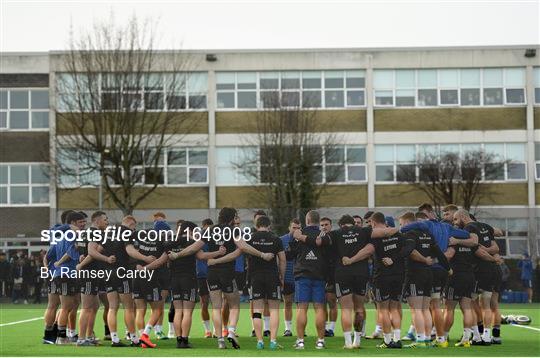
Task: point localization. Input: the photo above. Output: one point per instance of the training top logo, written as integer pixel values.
(311, 256)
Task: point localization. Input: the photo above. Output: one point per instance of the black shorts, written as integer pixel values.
(146, 290)
(202, 286)
(418, 283)
(89, 287)
(67, 286)
(440, 280)
(120, 285)
(388, 287)
(53, 287)
(497, 285)
(265, 285)
(222, 280)
(164, 280)
(288, 288)
(330, 286)
(184, 288)
(351, 283)
(460, 285)
(241, 280)
(485, 281)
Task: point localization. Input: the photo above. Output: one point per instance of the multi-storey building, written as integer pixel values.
(386, 106)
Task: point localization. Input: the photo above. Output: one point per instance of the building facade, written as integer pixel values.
(386, 106)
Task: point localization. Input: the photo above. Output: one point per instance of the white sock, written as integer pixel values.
(171, 327)
(363, 331)
(420, 337)
(466, 334)
(147, 329)
(114, 337)
(232, 329)
(332, 326)
(326, 325)
(476, 333)
(433, 331)
(378, 329)
(348, 338)
(357, 337)
(70, 333)
(206, 325)
(397, 335)
(387, 338)
(288, 325)
(441, 339)
(446, 335)
(134, 338)
(411, 330)
(158, 328)
(266, 323)
(487, 335)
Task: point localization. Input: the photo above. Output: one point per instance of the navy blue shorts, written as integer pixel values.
(309, 290)
(527, 283)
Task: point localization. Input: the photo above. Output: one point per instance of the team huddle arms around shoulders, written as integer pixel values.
(430, 265)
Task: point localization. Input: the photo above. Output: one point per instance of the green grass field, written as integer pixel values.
(24, 339)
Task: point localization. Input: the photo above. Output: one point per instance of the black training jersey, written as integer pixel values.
(117, 246)
(390, 247)
(463, 260)
(426, 246)
(310, 259)
(82, 247)
(486, 236)
(147, 247)
(183, 265)
(225, 238)
(264, 241)
(347, 241)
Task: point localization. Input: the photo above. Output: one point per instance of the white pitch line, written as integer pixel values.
(533, 328)
(17, 322)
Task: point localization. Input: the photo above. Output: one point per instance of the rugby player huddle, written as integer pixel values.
(425, 263)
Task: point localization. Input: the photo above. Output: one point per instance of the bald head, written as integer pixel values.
(461, 218)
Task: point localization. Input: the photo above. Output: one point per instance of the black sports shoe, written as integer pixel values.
(253, 333)
(396, 344)
(287, 333)
(135, 344)
(180, 342)
(119, 344)
(266, 333)
(234, 342)
(477, 343)
(328, 333)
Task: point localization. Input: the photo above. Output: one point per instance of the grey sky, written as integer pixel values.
(44, 25)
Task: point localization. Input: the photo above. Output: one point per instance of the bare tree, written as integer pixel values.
(120, 106)
(451, 178)
(287, 159)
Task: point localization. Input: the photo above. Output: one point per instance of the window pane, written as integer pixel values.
(494, 171)
(406, 153)
(40, 99)
(110, 101)
(311, 99)
(153, 81)
(19, 195)
(335, 173)
(355, 79)
(405, 79)
(290, 80)
(247, 99)
(515, 151)
(405, 98)
(311, 79)
(176, 175)
(384, 153)
(496, 150)
(39, 174)
(355, 98)
(18, 99)
(177, 157)
(3, 99)
(518, 227)
(40, 119)
(177, 102)
(198, 82)
(269, 80)
(405, 172)
(270, 99)
(225, 100)
(226, 175)
(333, 99)
(448, 78)
(449, 97)
(427, 78)
(3, 119)
(225, 80)
(516, 171)
(427, 97)
(383, 79)
(176, 83)
(197, 175)
(470, 97)
(537, 95)
(470, 78)
(384, 98)
(290, 99)
(514, 77)
(356, 172)
(40, 195)
(493, 77)
(333, 79)
(3, 195)
(537, 151)
(518, 247)
(198, 157)
(537, 170)
(3, 174)
(515, 95)
(153, 100)
(356, 155)
(154, 176)
(335, 155)
(384, 173)
(493, 96)
(18, 120)
(198, 101)
(19, 174)
(246, 80)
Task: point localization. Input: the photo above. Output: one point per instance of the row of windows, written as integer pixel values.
(24, 184)
(449, 87)
(306, 89)
(536, 82)
(22, 109)
(537, 158)
(395, 162)
(515, 242)
(153, 92)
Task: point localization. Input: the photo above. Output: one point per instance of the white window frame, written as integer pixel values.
(30, 185)
(29, 109)
(505, 87)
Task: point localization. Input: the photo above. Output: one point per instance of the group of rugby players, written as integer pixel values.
(426, 262)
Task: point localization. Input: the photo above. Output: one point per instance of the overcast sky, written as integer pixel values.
(44, 25)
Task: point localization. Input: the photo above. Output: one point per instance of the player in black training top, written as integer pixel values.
(266, 279)
(221, 274)
(183, 253)
(461, 285)
(352, 247)
(485, 273)
(419, 279)
(330, 288)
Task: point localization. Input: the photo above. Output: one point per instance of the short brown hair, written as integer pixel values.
(159, 214)
(408, 216)
(313, 216)
(263, 221)
(378, 217)
(129, 217)
(259, 213)
(326, 219)
(426, 207)
(346, 220)
(294, 221)
(421, 215)
(179, 222)
(208, 222)
(97, 214)
(450, 207)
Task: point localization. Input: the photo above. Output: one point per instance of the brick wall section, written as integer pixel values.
(24, 80)
(27, 221)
